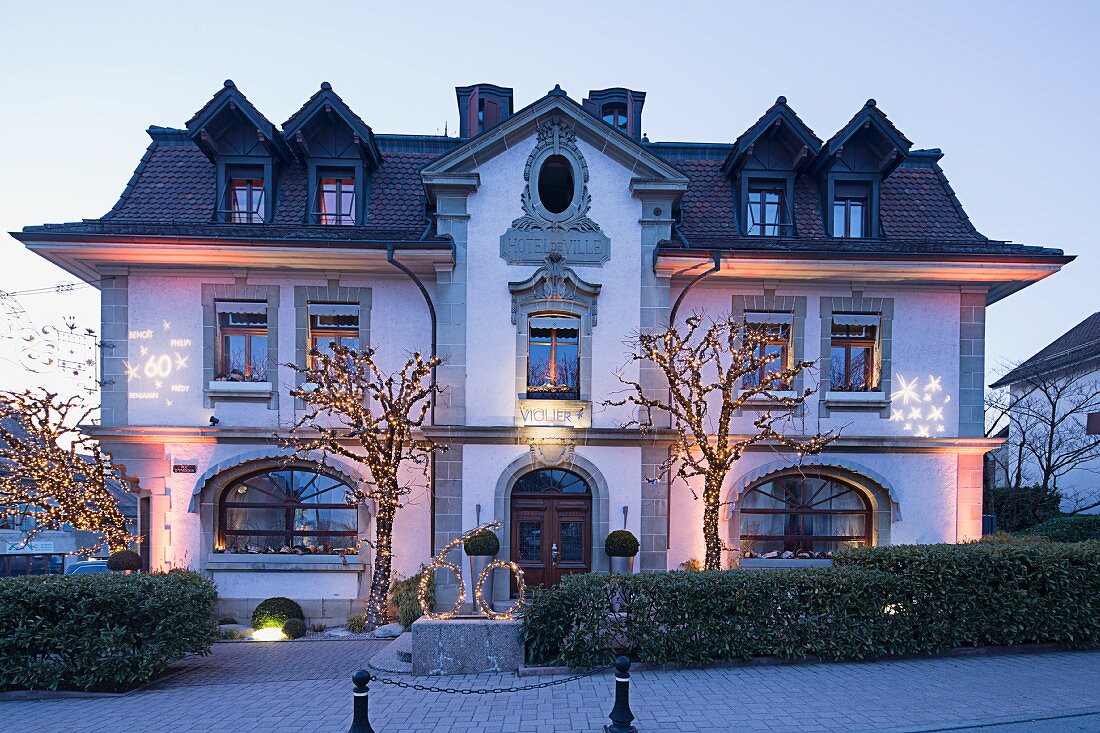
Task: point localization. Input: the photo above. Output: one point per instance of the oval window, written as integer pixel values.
(556, 184)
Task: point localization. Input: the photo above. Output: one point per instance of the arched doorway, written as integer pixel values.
(551, 525)
(802, 511)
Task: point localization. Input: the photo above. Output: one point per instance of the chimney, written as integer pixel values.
(618, 107)
(482, 107)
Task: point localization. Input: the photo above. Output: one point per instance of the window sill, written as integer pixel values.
(284, 562)
(856, 400)
(240, 390)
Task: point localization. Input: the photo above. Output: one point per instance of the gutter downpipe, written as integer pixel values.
(392, 259)
(717, 256)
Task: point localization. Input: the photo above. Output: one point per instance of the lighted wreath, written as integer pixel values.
(485, 606)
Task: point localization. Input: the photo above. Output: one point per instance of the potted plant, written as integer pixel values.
(482, 548)
(621, 546)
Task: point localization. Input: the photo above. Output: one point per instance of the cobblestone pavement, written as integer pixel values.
(304, 687)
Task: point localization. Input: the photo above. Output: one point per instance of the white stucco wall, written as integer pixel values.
(491, 335)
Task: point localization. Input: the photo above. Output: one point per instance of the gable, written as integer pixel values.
(520, 127)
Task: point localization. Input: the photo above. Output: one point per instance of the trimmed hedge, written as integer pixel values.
(621, 543)
(272, 613)
(872, 603)
(483, 543)
(294, 628)
(1075, 528)
(102, 632)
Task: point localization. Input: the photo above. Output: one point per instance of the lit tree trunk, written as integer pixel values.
(378, 601)
(712, 502)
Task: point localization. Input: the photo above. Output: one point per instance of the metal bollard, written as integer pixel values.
(621, 717)
(359, 722)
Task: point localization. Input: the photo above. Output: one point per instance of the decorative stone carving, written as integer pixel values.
(571, 232)
(552, 452)
(552, 283)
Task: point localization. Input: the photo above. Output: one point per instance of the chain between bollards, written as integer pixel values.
(359, 722)
(621, 717)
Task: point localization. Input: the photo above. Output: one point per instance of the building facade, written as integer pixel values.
(529, 251)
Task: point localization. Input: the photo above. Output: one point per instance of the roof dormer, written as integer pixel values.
(247, 150)
(620, 108)
(764, 162)
(338, 151)
(850, 168)
(482, 107)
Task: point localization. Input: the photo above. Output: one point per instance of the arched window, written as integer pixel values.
(287, 510)
(550, 480)
(804, 512)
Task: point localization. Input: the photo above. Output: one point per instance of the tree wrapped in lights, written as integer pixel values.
(705, 366)
(53, 474)
(355, 410)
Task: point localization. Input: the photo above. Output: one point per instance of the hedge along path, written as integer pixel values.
(874, 602)
(101, 633)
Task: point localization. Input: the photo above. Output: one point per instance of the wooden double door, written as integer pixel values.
(551, 528)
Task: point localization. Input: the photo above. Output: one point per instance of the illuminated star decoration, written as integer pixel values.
(166, 325)
(131, 371)
(925, 411)
(143, 349)
(180, 361)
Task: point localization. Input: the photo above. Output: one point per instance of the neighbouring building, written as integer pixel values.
(529, 249)
(1052, 428)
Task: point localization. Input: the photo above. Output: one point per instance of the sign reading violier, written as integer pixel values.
(553, 413)
(530, 247)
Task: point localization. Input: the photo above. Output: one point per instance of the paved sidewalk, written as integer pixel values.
(304, 687)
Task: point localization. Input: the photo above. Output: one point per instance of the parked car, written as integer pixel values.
(87, 567)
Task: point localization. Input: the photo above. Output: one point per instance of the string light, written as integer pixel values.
(481, 603)
(55, 475)
(705, 445)
(350, 401)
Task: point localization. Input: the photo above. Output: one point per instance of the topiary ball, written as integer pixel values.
(294, 628)
(621, 543)
(124, 560)
(482, 543)
(274, 612)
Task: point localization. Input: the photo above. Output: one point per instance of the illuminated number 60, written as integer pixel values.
(158, 366)
(480, 603)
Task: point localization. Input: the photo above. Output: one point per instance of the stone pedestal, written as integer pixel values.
(466, 646)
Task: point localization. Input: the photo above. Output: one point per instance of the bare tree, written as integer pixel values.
(55, 475)
(358, 412)
(717, 366)
(1046, 416)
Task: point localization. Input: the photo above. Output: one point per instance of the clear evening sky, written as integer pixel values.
(1007, 89)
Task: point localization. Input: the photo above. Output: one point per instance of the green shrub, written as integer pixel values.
(990, 593)
(873, 602)
(357, 624)
(124, 560)
(1074, 528)
(482, 543)
(1004, 538)
(403, 593)
(274, 612)
(621, 543)
(1018, 509)
(226, 620)
(294, 628)
(101, 632)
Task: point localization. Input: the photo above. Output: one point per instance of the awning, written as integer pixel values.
(333, 309)
(856, 319)
(251, 308)
(555, 322)
(757, 317)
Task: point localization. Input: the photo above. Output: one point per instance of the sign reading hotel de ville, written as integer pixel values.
(553, 414)
(530, 247)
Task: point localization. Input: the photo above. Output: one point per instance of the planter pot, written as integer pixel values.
(621, 565)
(477, 564)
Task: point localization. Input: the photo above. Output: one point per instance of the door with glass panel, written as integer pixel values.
(551, 526)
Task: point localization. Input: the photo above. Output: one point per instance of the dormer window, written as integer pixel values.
(336, 193)
(245, 196)
(851, 210)
(766, 211)
(614, 114)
